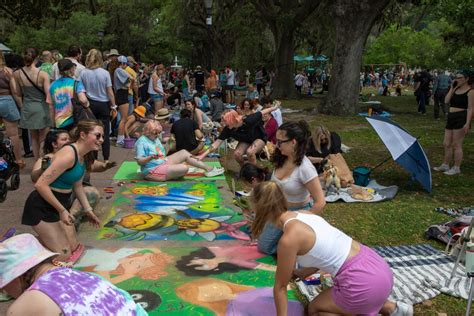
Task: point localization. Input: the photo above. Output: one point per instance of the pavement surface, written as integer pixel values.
(12, 209)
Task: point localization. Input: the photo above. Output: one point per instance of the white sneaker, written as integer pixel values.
(443, 167)
(454, 170)
(403, 309)
(214, 172)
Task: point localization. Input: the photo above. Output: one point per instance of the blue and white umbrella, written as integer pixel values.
(404, 148)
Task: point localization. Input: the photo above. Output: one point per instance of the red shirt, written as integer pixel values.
(271, 127)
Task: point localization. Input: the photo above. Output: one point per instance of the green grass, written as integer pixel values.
(404, 219)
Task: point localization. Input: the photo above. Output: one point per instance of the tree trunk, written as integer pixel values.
(283, 86)
(353, 21)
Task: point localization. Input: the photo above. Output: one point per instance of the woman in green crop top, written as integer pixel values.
(47, 209)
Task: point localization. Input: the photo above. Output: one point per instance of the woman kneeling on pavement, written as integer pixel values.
(157, 166)
(54, 141)
(362, 279)
(28, 273)
(47, 209)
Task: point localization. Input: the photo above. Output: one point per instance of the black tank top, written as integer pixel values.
(459, 100)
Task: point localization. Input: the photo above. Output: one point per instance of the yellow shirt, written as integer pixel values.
(133, 76)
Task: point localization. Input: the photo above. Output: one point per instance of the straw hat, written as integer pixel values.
(162, 114)
(19, 254)
(113, 52)
(140, 111)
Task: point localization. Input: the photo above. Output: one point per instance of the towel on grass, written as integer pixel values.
(382, 193)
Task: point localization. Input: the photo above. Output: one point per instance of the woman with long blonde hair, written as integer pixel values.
(98, 85)
(8, 109)
(362, 279)
(321, 144)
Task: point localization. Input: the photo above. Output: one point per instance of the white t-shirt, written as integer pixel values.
(299, 80)
(77, 75)
(230, 78)
(293, 187)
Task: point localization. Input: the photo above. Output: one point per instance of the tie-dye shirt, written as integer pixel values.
(62, 93)
(82, 293)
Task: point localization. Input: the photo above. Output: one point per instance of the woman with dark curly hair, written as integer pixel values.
(296, 176)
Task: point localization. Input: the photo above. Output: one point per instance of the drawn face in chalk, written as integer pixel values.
(135, 264)
(145, 221)
(147, 299)
(214, 292)
(206, 264)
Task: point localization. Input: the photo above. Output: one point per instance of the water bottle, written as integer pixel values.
(470, 257)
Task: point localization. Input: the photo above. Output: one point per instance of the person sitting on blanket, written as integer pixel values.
(247, 130)
(321, 144)
(157, 166)
(363, 281)
(28, 273)
(54, 141)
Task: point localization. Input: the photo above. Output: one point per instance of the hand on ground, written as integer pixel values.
(93, 219)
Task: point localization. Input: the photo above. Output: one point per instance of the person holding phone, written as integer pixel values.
(461, 103)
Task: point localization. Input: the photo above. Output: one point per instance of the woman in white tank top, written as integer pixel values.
(362, 279)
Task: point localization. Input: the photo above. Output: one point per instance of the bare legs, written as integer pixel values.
(251, 150)
(157, 104)
(12, 133)
(453, 140)
(324, 304)
(52, 237)
(177, 168)
(37, 138)
(123, 110)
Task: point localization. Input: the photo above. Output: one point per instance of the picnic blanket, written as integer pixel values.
(420, 272)
(381, 193)
(130, 170)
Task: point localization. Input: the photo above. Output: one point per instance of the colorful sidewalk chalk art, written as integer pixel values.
(172, 211)
(227, 281)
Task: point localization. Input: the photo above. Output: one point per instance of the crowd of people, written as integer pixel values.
(177, 118)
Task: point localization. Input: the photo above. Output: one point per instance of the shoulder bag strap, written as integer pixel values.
(31, 81)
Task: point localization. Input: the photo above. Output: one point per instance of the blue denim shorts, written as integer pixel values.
(8, 110)
(156, 97)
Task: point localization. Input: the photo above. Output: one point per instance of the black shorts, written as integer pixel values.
(121, 96)
(456, 120)
(37, 209)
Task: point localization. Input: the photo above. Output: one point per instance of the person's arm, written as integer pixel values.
(198, 114)
(285, 265)
(154, 79)
(449, 95)
(211, 148)
(63, 161)
(110, 94)
(101, 166)
(128, 123)
(316, 192)
(83, 99)
(81, 196)
(271, 109)
(19, 93)
(37, 170)
(198, 134)
(46, 84)
(14, 89)
(470, 107)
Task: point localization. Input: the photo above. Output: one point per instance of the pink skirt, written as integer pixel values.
(363, 283)
(160, 171)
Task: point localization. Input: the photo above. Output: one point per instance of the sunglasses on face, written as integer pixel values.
(98, 136)
(279, 141)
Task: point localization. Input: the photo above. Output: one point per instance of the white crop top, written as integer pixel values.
(293, 187)
(331, 248)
